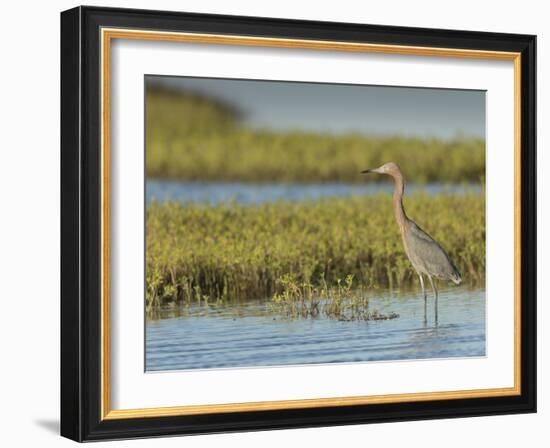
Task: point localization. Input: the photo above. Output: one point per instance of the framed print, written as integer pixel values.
(276, 224)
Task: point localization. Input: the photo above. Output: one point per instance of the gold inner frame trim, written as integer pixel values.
(107, 35)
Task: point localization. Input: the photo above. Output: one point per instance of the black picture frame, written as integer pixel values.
(81, 224)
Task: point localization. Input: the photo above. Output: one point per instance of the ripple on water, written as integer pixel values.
(218, 339)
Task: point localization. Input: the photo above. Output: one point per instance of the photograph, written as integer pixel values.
(306, 223)
(273, 223)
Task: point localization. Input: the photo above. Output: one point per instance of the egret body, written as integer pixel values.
(425, 254)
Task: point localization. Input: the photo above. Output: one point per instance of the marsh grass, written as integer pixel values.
(195, 138)
(201, 254)
(341, 301)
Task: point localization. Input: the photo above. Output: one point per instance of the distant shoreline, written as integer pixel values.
(193, 138)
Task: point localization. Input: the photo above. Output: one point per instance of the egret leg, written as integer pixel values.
(425, 298)
(435, 293)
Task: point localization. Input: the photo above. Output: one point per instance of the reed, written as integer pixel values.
(342, 301)
(198, 253)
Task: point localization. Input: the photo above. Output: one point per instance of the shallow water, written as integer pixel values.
(248, 335)
(249, 193)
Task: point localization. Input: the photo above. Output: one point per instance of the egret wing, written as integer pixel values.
(426, 253)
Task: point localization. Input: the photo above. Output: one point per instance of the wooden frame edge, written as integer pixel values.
(107, 34)
(306, 403)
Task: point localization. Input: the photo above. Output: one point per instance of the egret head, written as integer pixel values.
(390, 168)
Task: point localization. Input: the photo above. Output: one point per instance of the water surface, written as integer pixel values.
(249, 335)
(250, 193)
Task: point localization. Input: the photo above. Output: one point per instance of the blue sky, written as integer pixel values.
(337, 108)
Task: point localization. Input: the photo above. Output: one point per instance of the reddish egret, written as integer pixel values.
(425, 254)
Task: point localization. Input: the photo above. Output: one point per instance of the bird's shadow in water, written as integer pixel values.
(51, 425)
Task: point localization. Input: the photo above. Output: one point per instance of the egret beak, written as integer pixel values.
(376, 170)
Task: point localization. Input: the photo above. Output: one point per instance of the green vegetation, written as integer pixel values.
(199, 254)
(191, 137)
(341, 301)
